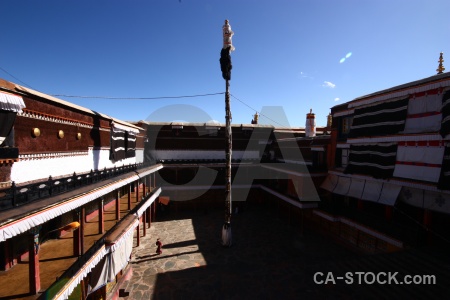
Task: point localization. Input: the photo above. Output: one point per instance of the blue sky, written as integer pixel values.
(288, 53)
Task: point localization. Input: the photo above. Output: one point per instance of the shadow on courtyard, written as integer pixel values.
(270, 259)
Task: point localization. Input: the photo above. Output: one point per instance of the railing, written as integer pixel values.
(18, 195)
(74, 274)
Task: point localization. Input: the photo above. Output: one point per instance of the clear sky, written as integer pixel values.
(288, 53)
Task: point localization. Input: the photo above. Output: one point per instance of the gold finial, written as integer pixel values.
(441, 68)
(329, 120)
(255, 118)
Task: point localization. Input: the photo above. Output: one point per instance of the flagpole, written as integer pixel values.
(225, 64)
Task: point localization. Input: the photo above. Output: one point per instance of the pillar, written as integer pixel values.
(144, 228)
(427, 214)
(77, 235)
(154, 180)
(129, 196)
(101, 216)
(143, 187)
(388, 212)
(8, 259)
(138, 235)
(150, 181)
(82, 225)
(117, 205)
(149, 216)
(103, 291)
(83, 289)
(33, 250)
(360, 204)
(137, 191)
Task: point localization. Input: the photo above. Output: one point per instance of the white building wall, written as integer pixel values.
(41, 166)
(139, 156)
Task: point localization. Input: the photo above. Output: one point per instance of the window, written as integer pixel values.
(346, 124)
(341, 157)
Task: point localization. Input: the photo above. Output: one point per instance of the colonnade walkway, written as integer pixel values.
(56, 255)
(269, 259)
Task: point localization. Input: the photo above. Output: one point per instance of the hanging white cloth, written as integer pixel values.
(11, 102)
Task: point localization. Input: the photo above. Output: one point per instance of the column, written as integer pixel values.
(129, 196)
(360, 204)
(77, 234)
(83, 289)
(144, 228)
(143, 187)
(137, 190)
(150, 181)
(117, 204)
(8, 262)
(33, 250)
(154, 180)
(149, 216)
(427, 223)
(82, 224)
(138, 235)
(101, 216)
(388, 212)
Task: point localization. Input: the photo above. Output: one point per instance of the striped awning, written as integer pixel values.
(11, 102)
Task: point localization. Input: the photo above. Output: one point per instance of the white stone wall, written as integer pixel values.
(41, 166)
(139, 156)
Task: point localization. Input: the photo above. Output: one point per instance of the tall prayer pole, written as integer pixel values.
(225, 65)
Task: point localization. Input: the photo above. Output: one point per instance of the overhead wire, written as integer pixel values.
(263, 115)
(137, 98)
(15, 77)
(149, 98)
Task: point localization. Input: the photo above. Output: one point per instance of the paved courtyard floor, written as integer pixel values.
(269, 259)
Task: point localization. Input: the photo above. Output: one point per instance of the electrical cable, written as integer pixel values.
(258, 112)
(139, 98)
(15, 77)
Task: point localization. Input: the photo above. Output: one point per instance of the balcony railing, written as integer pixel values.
(18, 195)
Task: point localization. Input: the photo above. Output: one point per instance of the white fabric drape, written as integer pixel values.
(424, 114)
(11, 102)
(435, 201)
(356, 188)
(147, 203)
(75, 280)
(103, 265)
(364, 189)
(372, 191)
(419, 162)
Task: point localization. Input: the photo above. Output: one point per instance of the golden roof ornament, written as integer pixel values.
(441, 68)
(255, 118)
